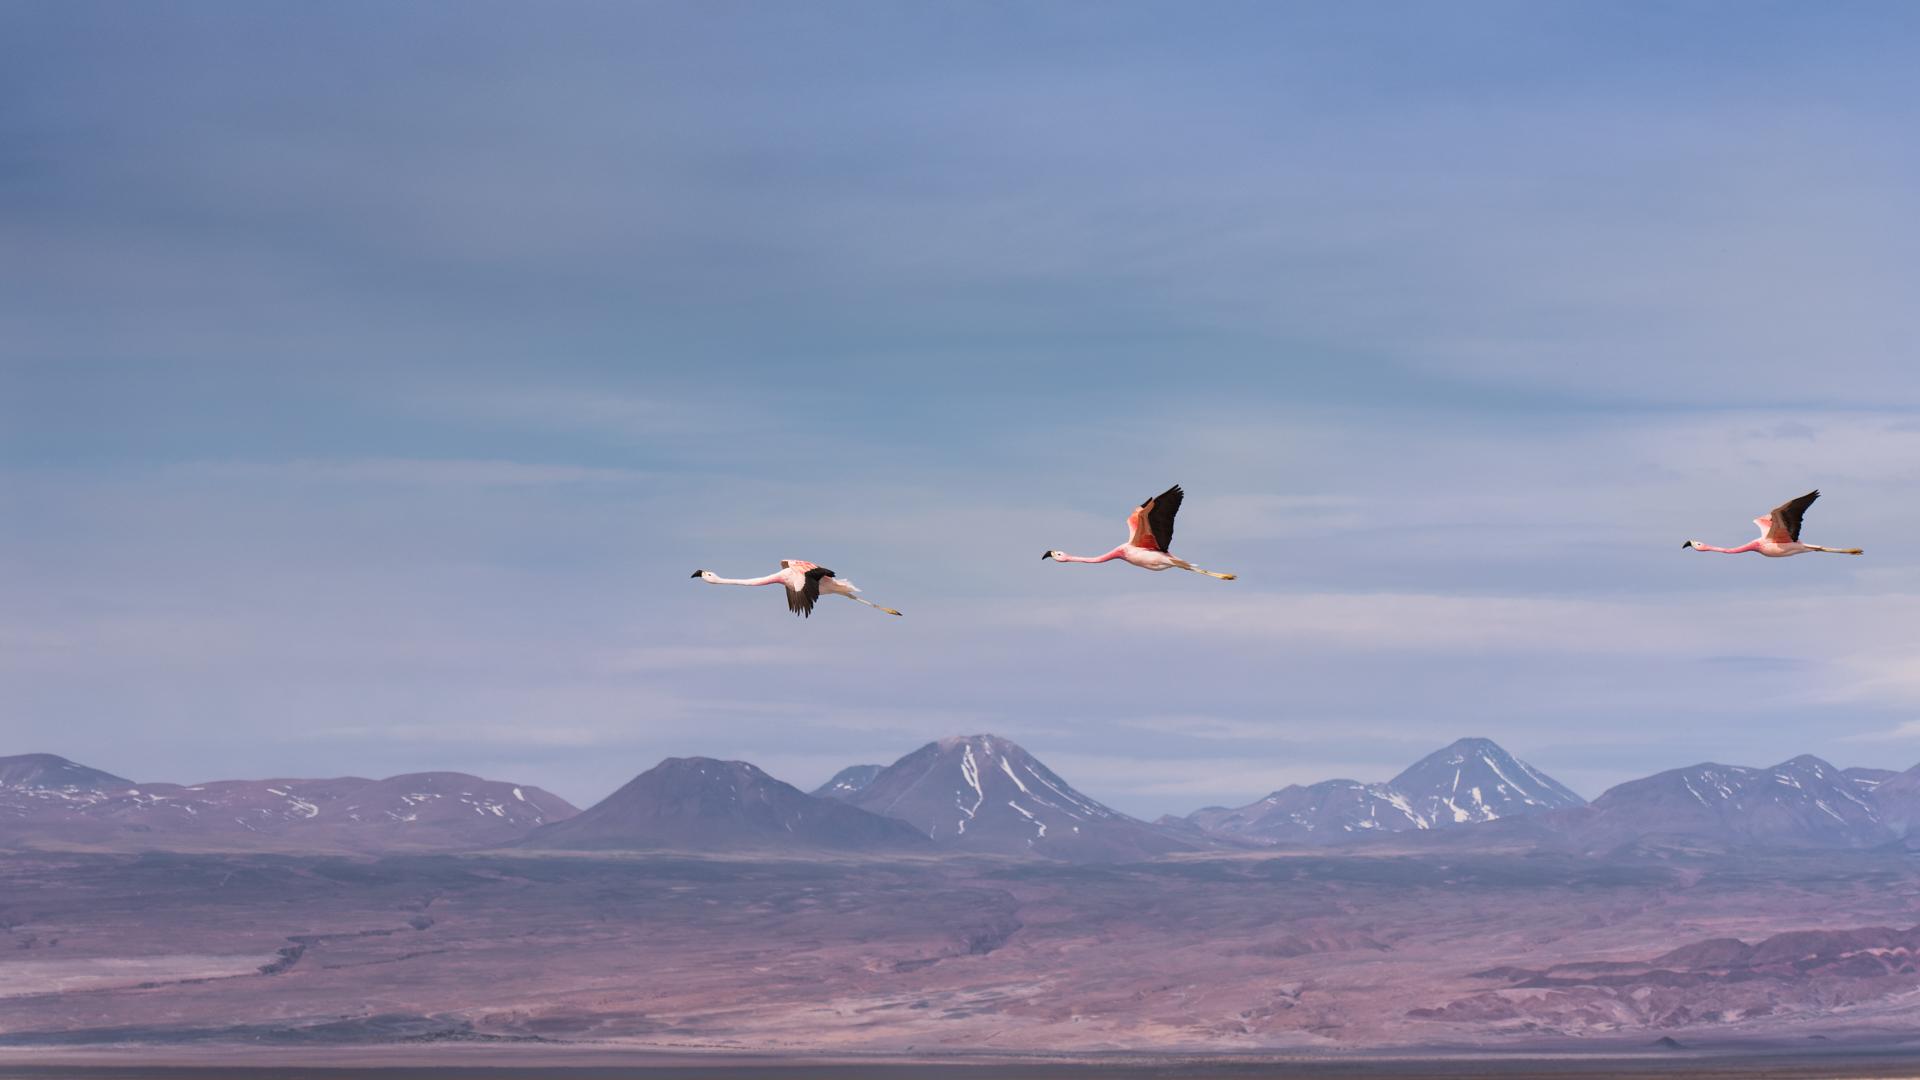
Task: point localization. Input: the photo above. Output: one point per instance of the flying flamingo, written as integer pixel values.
(1779, 533)
(1151, 534)
(805, 582)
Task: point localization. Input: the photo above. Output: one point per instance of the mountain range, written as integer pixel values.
(1471, 781)
(47, 800)
(1803, 802)
(707, 805)
(974, 794)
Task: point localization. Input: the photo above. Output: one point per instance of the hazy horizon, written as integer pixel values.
(372, 378)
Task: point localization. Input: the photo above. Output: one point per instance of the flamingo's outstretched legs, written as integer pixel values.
(1835, 551)
(871, 604)
(1184, 565)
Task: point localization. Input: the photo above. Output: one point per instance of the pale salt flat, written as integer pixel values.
(20, 978)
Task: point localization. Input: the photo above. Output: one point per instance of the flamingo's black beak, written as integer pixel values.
(1686, 545)
(697, 573)
(1045, 555)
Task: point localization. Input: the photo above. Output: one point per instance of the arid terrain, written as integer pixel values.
(964, 902)
(1236, 953)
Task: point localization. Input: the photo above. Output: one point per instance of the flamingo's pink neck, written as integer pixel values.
(716, 579)
(1751, 545)
(1108, 557)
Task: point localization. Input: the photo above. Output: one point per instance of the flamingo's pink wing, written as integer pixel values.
(1153, 521)
(1139, 533)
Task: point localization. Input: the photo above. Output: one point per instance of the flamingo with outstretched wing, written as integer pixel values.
(1779, 533)
(805, 582)
(1149, 535)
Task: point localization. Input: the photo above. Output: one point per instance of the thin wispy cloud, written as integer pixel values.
(414, 472)
(1902, 732)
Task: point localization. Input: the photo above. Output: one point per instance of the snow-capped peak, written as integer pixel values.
(1476, 780)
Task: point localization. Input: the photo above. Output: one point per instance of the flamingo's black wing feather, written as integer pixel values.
(1160, 510)
(800, 601)
(1789, 514)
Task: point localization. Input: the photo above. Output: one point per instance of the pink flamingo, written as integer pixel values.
(1779, 533)
(805, 582)
(1150, 529)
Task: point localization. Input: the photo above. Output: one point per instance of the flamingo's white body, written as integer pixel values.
(1779, 533)
(1149, 535)
(805, 582)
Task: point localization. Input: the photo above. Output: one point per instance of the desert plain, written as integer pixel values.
(1650, 955)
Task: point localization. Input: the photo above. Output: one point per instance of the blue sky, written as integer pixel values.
(373, 376)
